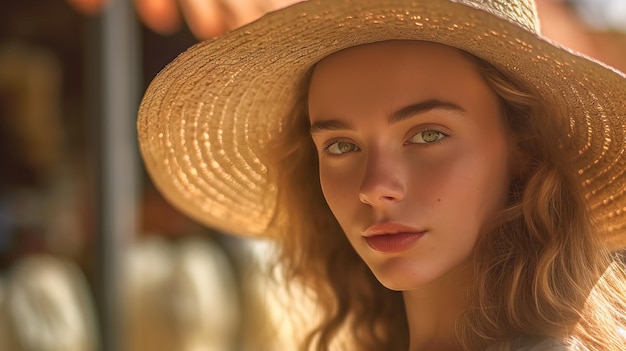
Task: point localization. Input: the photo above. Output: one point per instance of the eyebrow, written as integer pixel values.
(402, 114)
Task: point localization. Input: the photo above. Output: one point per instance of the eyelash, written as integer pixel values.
(440, 136)
(326, 149)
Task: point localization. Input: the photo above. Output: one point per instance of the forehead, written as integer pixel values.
(394, 73)
(394, 59)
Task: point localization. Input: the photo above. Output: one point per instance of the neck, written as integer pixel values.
(433, 310)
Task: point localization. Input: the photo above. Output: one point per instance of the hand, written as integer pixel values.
(205, 18)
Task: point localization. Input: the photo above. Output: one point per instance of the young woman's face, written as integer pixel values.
(413, 156)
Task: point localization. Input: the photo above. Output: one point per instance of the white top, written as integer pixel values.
(545, 345)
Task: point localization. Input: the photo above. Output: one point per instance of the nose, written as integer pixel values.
(383, 182)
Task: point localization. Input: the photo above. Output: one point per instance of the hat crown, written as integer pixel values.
(522, 12)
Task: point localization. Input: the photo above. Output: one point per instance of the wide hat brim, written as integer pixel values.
(205, 119)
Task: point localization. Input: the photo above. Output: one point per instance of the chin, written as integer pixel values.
(397, 286)
(398, 275)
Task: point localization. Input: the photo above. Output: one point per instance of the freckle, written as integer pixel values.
(439, 200)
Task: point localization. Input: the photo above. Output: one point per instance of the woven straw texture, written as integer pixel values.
(206, 117)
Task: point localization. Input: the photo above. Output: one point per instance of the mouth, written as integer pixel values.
(391, 237)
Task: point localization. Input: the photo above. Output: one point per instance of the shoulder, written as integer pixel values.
(548, 344)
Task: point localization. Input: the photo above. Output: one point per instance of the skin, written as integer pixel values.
(205, 18)
(409, 133)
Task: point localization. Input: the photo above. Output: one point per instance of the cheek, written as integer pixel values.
(337, 190)
(465, 187)
(438, 178)
(486, 185)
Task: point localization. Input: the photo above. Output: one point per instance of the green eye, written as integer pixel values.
(341, 147)
(427, 137)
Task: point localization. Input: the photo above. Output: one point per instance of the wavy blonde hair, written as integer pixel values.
(542, 269)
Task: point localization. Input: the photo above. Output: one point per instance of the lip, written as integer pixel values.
(389, 237)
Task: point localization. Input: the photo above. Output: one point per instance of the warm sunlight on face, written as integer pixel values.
(413, 156)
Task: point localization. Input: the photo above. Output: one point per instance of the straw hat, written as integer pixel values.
(206, 117)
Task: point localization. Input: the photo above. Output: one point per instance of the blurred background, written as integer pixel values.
(91, 256)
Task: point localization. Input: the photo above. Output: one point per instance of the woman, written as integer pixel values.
(436, 173)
